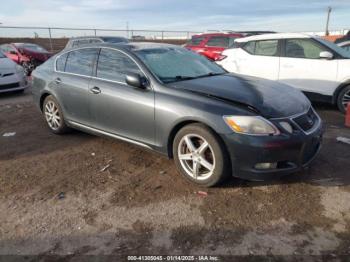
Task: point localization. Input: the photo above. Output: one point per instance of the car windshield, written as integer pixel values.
(114, 40)
(172, 64)
(336, 48)
(32, 47)
(2, 55)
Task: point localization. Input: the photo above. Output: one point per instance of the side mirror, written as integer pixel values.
(136, 80)
(326, 55)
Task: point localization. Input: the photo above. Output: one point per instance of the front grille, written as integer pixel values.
(8, 74)
(307, 121)
(9, 86)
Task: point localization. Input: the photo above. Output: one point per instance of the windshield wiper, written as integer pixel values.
(210, 74)
(183, 78)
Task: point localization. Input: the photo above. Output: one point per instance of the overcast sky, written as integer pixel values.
(278, 15)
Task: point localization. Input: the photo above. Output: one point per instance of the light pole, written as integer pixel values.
(329, 10)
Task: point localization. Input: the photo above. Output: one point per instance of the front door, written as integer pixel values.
(117, 107)
(302, 67)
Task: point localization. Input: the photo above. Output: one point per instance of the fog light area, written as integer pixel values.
(266, 165)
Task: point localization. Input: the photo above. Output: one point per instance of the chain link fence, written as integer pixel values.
(55, 38)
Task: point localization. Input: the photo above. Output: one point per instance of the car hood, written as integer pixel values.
(270, 98)
(7, 64)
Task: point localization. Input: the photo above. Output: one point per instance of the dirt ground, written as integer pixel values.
(79, 195)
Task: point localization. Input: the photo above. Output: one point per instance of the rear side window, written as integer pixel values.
(196, 40)
(114, 65)
(249, 47)
(81, 61)
(262, 48)
(266, 47)
(96, 40)
(61, 62)
(220, 41)
(303, 48)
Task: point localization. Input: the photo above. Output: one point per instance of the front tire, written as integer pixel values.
(200, 155)
(54, 116)
(343, 99)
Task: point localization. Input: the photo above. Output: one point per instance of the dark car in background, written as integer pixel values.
(345, 38)
(212, 45)
(345, 45)
(86, 40)
(169, 99)
(28, 55)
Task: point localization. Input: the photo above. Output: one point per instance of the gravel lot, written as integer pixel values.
(83, 195)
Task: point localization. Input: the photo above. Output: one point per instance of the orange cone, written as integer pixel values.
(347, 116)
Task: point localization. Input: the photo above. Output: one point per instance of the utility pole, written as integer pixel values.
(329, 10)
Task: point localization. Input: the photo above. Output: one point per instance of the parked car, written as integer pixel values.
(138, 37)
(345, 45)
(343, 39)
(12, 77)
(211, 45)
(86, 40)
(169, 99)
(251, 33)
(26, 54)
(319, 68)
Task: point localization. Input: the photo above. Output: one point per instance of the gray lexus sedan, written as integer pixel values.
(171, 100)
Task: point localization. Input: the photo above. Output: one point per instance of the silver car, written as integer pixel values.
(12, 76)
(87, 40)
(171, 100)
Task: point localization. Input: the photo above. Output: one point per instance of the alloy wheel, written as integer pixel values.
(196, 156)
(52, 115)
(346, 99)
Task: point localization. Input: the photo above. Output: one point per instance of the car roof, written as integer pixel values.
(274, 36)
(24, 43)
(133, 46)
(217, 34)
(94, 36)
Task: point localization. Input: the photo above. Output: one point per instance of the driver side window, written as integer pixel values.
(114, 65)
(303, 48)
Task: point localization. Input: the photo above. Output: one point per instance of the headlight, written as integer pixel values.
(19, 69)
(251, 125)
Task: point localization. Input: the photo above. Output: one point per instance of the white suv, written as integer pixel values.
(319, 68)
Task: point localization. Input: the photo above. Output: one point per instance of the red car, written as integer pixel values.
(211, 45)
(26, 54)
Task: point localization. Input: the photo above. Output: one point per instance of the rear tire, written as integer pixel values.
(53, 116)
(200, 156)
(343, 97)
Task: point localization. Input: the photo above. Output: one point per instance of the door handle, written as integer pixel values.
(58, 80)
(95, 90)
(287, 66)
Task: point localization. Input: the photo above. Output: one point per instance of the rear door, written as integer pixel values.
(117, 107)
(302, 67)
(71, 82)
(258, 58)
